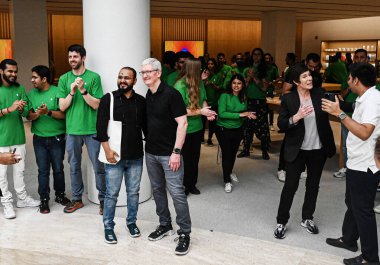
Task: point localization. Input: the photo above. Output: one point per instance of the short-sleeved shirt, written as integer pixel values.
(211, 93)
(224, 70)
(80, 117)
(172, 78)
(162, 108)
(361, 153)
(11, 125)
(229, 109)
(46, 126)
(166, 71)
(195, 123)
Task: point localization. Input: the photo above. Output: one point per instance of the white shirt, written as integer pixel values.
(361, 153)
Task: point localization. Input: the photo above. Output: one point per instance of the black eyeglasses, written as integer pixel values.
(147, 72)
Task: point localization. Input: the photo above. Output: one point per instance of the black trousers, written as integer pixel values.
(359, 219)
(191, 152)
(211, 124)
(229, 141)
(314, 161)
(281, 159)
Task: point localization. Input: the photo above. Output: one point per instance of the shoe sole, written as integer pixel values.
(110, 242)
(26, 206)
(343, 247)
(282, 236)
(183, 253)
(281, 180)
(72, 210)
(168, 233)
(10, 217)
(307, 230)
(133, 236)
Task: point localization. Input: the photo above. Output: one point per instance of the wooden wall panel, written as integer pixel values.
(299, 40)
(232, 36)
(5, 27)
(156, 42)
(183, 29)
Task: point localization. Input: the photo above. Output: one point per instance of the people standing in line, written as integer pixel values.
(308, 142)
(49, 139)
(362, 175)
(193, 93)
(79, 96)
(258, 79)
(128, 108)
(166, 126)
(13, 105)
(213, 84)
(232, 110)
(181, 58)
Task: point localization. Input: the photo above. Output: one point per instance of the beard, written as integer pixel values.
(10, 82)
(125, 89)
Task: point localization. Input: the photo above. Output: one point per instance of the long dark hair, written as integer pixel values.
(262, 67)
(242, 93)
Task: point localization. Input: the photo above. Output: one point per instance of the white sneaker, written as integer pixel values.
(234, 177)
(304, 175)
(377, 209)
(9, 212)
(341, 173)
(281, 175)
(28, 202)
(228, 187)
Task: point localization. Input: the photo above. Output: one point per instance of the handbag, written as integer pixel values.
(114, 132)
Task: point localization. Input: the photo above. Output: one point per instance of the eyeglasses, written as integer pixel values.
(147, 72)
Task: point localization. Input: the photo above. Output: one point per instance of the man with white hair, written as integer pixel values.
(166, 124)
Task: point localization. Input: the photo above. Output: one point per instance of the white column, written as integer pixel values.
(278, 34)
(116, 34)
(29, 36)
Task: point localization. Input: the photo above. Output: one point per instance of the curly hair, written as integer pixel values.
(192, 76)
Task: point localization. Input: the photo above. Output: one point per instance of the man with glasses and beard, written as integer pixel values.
(12, 106)
(128, 108)
(79, 96)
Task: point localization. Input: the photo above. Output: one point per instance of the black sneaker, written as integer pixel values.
(358, 260)
(62, 199)
(338, 243)
(242, 154)
(160, 232)
(183, 245)
(133, 230)
(279, 232)
(310, 226)
(44, 207)
(109, 236)
(265, 155)
(194, 191)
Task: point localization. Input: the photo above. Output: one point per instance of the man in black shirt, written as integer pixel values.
(128, 108)
(167, 123)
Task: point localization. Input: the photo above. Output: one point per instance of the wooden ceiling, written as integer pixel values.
(306, 10)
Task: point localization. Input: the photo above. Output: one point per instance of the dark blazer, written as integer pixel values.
(294, 134)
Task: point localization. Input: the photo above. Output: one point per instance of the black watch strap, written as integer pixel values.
(177, 151)
(84, 93)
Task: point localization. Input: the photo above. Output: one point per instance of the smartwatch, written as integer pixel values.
(84, 93)
(177, 151)
(342, 116)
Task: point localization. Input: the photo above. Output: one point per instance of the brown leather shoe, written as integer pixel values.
(73, 206)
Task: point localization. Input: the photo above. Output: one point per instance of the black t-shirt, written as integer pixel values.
(162, 108)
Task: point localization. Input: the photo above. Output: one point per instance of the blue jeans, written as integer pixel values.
(131, 170)
(50, 151)
(162, 177)
(74, 145)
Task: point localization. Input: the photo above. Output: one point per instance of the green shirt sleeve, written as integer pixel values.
(222, 108)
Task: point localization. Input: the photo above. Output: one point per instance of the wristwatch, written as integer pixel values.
(177, 151)
(84, 93)
(342, 116)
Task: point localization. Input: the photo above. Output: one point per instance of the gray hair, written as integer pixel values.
(156, 65)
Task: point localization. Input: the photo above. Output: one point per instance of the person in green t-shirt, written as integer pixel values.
(223, 69)
(13, 102)
(194, 95)
(336, 72)
(213, 84)
(168, 64)
(80, 91)
(48, 127)
(239, 69)
(232, 110)
(181, 58)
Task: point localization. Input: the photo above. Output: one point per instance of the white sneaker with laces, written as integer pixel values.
(28, 202)
(228, 187)
(377, 209)
(234, 177)
(304, 175)
(9, 212)
(281, 175)
(341, 173)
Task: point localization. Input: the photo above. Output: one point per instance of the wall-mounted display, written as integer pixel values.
(196, 48)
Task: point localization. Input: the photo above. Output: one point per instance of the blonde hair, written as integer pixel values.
(191, 73)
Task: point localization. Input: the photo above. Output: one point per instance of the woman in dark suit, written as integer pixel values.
(308, 142)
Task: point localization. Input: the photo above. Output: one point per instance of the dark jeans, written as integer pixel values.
(191, 152)
(162, 177)
(211, 125)
(314, 161)
(229, 141)
(359, 220)
(50, 151)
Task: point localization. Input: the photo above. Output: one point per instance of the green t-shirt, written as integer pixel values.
(172, 78)
(194, 122)
(166, 71)
(46, 126)
(233, 71)
(272, 74)
(80, 117)
(11, 125)
(211, 93)
(336, 72)
(229, 109)
(254, 90)
(224, 71)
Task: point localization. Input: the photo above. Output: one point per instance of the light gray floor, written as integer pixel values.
(250, 210)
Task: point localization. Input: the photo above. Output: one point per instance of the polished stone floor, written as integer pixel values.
(235, 228)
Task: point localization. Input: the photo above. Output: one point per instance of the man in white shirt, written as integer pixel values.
(362, 174)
